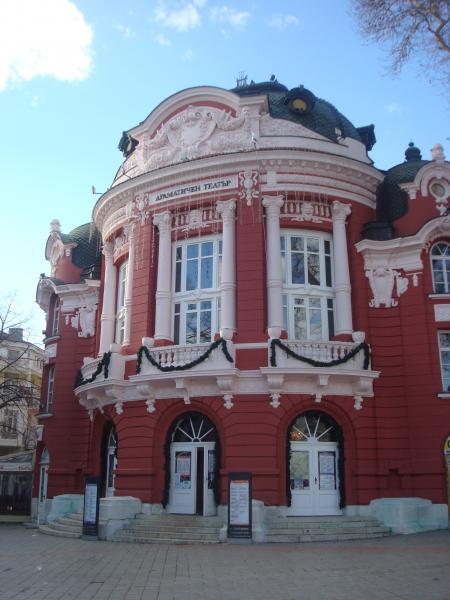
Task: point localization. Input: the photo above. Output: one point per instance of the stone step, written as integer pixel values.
(58, 526)
(58, 533)
(71, 522)
(161, 526)
(139, 539)
(181, 519)
(329, 531)
(75, 516)
(320, 519)
(319, 525)
(156, 533)
(336, 537)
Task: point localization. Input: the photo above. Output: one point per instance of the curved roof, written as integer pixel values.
(323, 117)
(87, 253)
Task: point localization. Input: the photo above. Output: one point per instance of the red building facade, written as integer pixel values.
(253, 295)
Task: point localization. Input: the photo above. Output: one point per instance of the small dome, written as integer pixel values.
(412, 153)
(87, 254)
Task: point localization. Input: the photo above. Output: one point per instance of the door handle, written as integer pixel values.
(315, 480)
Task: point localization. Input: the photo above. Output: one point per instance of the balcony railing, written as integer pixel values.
(192, 357)
(297, 354)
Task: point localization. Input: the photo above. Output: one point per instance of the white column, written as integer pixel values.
(163, 222)
(227, 209)
(108, 318)
(272, 204)
(129, 285)
(342, 285)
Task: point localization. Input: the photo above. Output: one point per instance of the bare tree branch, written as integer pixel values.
(411, 28)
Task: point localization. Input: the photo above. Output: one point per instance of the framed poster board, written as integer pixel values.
(90, 509)
(240, 505)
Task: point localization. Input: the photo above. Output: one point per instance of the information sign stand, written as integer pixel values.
(240, 506)
(91, 506)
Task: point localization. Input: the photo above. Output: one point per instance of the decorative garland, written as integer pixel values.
(317, 363)
(103, 365)
(144, 350)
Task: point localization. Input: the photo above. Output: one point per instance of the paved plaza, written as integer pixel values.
(34, 566)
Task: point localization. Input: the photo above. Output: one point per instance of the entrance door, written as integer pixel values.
(313, 466)
(192, 478)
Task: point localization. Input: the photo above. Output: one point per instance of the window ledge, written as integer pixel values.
(44, 415)
(439, 296)
(444, 395)
(55, 338)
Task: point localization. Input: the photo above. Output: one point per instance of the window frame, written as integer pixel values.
(295, 293)
(442, 348)
(50, 389)
(55, 318)
(442, 259)
(122, 277)
(182, 297)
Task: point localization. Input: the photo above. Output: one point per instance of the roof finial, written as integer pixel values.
(412, 153)
(437, 153)
(55, 225)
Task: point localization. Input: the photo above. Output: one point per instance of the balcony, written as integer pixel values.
(162, 372)
(186, 371)
(319, 369)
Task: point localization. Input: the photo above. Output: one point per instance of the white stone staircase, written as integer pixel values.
(69, 526)
(323, 529)
(171, 529)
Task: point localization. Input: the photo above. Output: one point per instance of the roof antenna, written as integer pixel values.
(241, 80)
(94, 191)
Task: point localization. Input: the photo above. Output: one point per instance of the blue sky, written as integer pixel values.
(74, 75)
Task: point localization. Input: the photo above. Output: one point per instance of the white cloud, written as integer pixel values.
(45, 37)
(124, 30)
(231, 16)
(188, 56)
(394, 107)
(35, 101)
(283, 21)
(162, 40)
(182, 16)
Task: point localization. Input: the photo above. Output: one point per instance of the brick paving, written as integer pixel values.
(34, 566)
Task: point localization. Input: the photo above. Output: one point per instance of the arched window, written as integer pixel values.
(194, 427)
(313, 426)
(440, 266)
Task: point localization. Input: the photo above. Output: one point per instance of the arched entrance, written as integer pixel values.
(193, 455)
(313, 465)
(43, 484)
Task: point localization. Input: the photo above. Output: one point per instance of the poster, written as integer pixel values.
(90, 503)
(327, 482)
(326, 463)
(183, 471)
(239, 502)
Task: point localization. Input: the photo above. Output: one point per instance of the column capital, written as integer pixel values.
(340, 211)
(108, 249)
(163, 221)
(273, 204)
(226, 209)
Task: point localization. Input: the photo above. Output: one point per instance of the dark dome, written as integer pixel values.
(392, 201)
(87, 254)
(323, 117)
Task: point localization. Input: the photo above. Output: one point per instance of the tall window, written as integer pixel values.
(308, 295)
(196, 296)
(120, 312)
(10, 419)
(55, 320)
(50, 385)
(440, 266)
(444, 355)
